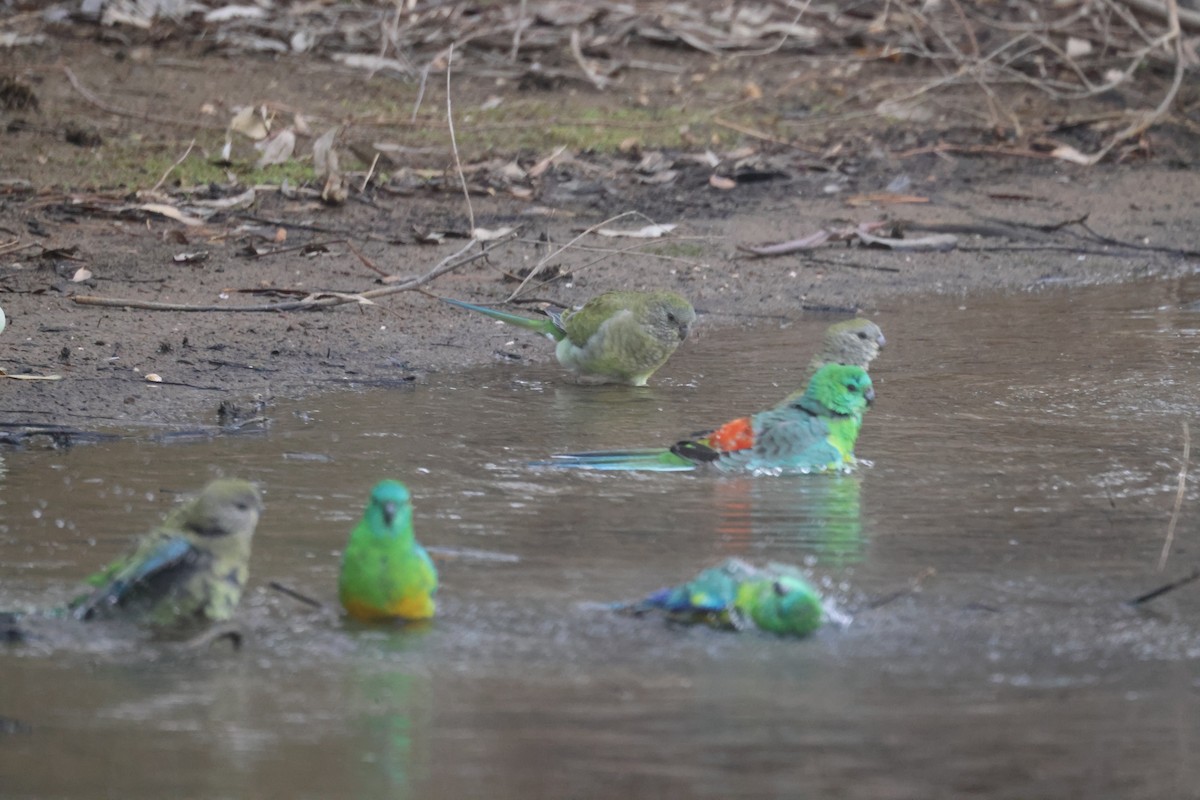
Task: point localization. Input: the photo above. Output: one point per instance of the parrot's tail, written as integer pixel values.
(546, 327)
(653, 460)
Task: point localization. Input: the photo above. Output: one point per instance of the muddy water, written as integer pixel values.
(1025, 451)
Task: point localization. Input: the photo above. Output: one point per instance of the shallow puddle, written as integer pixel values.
(1025, 451)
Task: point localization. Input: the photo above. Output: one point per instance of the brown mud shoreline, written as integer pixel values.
(1012, 218)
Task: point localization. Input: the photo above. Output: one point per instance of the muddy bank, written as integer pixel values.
(1009, 216)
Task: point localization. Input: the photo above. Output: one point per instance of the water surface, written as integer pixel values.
(1024, 453)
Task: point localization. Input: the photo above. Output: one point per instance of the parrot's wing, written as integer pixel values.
(153, 560)
(789, 433)
(580, 326)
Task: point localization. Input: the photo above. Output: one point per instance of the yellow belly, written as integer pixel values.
(411, 608)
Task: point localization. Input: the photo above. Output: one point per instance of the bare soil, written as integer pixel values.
(1142, 217)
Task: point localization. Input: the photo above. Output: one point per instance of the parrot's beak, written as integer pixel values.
(882, 341)
(389, 513)
(870, 395)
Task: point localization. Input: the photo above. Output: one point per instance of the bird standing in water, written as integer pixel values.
(853, 341)
(386, 574)
(616, 337)
(811, 432)
(189, 571)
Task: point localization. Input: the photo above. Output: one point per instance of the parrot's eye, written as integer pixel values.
(671, 317)
(780, 589)
(862, 335)
(852, 387)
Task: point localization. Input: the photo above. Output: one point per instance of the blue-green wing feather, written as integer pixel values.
(128, 577)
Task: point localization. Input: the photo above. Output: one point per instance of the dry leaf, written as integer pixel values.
(325, 159)
(373, 63)
(721, 182)
(227, 13)
(276, 150)
(648, 232)
(487, 235)
(171, 212)
(250, 123)
(939, 242)
(1077, 47)
(153, 377)
(540, 167)
(82, 274)
(1067, 153)
(884, 199)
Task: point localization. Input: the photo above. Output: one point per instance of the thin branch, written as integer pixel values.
(121, 112)
(313, 301)
(541, 264)
(174, 166)
(1183, 470)
(454, 142)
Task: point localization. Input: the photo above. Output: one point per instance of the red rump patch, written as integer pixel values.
(737, 434)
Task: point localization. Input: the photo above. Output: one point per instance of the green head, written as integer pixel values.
(389, 510)
(839, 388)
(669, 315)
(226, 507)
(792, 608)
(853, 341)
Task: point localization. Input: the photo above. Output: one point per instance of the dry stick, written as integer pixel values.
(368, 263)
(370, 174)
(538, 267)
(1183, 470)
(283, 588)
(520, 27)
(121, 112)
(171, 168)
(454, 142)
(314, 301)
(1137, 128)
(1161, 590)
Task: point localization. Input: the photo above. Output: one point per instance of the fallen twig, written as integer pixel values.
(295, 595)
(914, 585)
(1183, 470)
(312, 301)
(1169, 587)
(121, 112)
(537, 268)
(173, 167)
(813, 240)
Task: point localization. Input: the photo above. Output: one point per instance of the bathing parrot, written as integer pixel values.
(813, 432)
(616, 337)
(386, 574)
(187, 572)
(736, 595)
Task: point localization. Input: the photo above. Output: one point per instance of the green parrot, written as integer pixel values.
(815, 432)
(187, 572)
(736, 596)
(386, 574)
(853, 341)
(616, 337)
